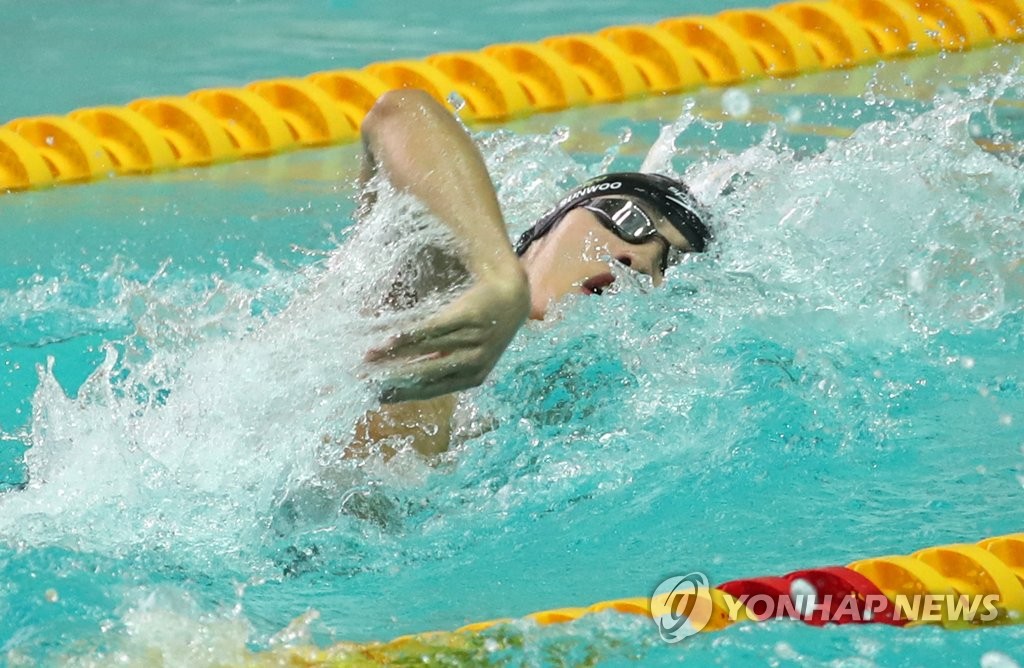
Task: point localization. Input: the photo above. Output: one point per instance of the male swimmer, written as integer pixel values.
(645, 222)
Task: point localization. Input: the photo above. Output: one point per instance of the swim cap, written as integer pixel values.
(671, 198)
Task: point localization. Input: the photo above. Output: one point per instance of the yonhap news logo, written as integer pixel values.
(828, 609)
(681, 606)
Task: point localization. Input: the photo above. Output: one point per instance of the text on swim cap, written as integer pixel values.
(589, 190)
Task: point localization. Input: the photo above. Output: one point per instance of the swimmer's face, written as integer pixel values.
(576, 256)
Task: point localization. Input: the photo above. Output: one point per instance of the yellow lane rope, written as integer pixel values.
(497, 83)
(953, 586)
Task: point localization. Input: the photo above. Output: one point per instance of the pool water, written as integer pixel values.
(839, 379)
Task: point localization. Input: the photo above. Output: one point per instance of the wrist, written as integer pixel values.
(499, 265)
(508, 285)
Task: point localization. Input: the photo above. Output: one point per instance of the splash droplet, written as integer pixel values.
(736, 103)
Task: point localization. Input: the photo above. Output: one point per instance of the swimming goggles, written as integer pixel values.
(627, 220)
(668, 197)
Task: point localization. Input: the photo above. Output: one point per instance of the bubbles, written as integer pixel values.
(995, 659)
(804, 595)
(456, 101)
(612, 152)
(916, 281)
(736, 102)
(166, 627)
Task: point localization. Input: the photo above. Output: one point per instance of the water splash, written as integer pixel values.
(907, 216)
(215, 408)
(179, 438)
(659, 157)
(806, 335)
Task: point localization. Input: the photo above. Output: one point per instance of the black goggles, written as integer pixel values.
(670, 198)
(627, 220)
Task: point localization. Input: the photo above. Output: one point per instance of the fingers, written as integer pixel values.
(395, 395)
(436, 376)
(425, 341)
(452, 351)
(464, 314)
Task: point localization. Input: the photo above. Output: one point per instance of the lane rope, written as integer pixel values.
(955, 586)
(497, 83)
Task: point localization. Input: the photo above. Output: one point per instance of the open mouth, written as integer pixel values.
(597, 284)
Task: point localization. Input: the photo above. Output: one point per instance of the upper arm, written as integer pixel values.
(426, 423)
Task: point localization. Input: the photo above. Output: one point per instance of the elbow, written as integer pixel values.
(401, 106)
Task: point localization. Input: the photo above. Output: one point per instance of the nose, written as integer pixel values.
(645, 258)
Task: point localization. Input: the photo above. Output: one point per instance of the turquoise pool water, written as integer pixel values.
(840, 379)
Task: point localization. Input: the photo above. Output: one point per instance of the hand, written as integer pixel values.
(458, 347)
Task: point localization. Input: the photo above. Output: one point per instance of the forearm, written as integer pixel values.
(424, 151)
(421, 149)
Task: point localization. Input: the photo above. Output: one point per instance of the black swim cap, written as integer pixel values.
(671, 198)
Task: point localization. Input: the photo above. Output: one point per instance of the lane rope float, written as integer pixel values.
(498, 83)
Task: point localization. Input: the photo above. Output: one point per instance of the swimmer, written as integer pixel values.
(645, 222)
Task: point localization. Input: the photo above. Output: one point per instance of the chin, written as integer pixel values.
(538, 309)
(542, 305)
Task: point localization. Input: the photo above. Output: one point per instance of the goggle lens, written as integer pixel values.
(626, 218)
(630, 222)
